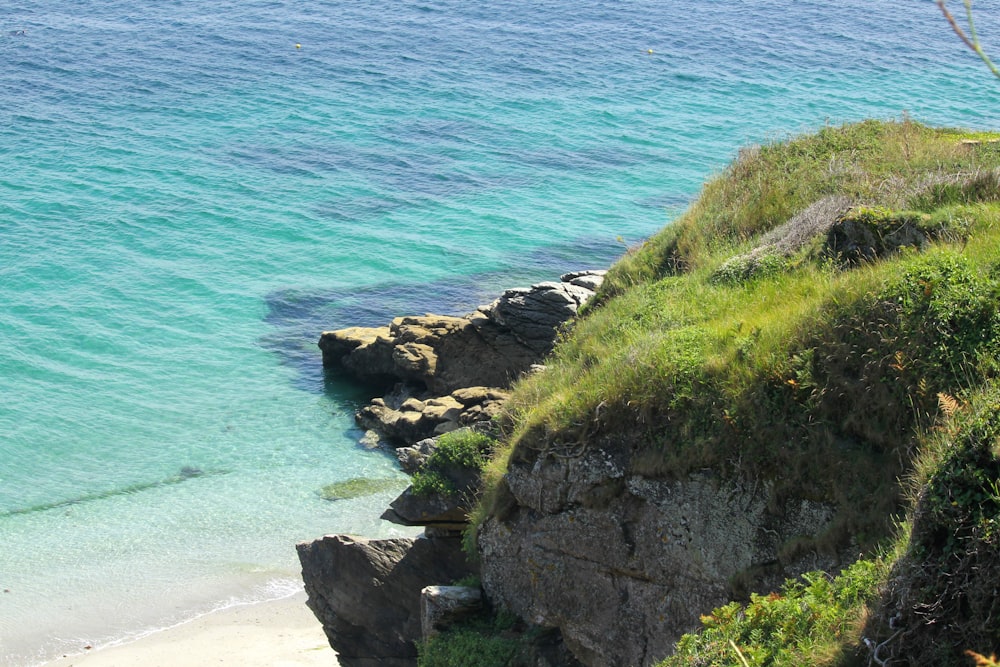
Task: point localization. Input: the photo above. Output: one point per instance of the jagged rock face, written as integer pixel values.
(366, 593)
(624, 565)
(534, 315)
(492, 346)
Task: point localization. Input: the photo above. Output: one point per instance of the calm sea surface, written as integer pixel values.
(191, 191)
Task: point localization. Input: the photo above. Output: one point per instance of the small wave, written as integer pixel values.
(270, 591)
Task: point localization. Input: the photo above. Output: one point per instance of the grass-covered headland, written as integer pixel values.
(859, 370)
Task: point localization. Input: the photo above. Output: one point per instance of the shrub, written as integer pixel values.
(457, 460)
(483, 641)
(940, 601)
(808, 623)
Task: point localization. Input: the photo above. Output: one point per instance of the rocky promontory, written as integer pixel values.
(436, 374)
(741, 409)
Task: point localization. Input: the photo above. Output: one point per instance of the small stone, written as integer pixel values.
(412, 405)
(446, 427)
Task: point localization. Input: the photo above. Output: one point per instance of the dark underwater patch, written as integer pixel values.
(298, 316)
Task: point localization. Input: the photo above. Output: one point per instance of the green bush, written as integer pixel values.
(467, 648)
(808, 623)
(949, 318)
(459, 454)
(940, 600)
(483, 641)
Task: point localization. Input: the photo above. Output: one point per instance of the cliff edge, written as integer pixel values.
(770, 438)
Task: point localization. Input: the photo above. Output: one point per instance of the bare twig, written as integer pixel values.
(970, 39)
(739, 653)
(881, 646)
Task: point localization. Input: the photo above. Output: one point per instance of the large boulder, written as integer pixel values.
(366, 593)
(654, 553)
(444, 606)
(450, 512)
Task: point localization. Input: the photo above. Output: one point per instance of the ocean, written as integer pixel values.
(191, 192)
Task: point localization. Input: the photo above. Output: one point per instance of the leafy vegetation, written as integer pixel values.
(830, 376)
(494, 638)
(812, 618)
(459, 455)
(940, 599)
(485, 641)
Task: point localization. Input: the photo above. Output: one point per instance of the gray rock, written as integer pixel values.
(591, 280)
(654, 554)
(443, 606)
(366, 593)
(441, 511)
(535, 315)
(411, 458)
(403, 420)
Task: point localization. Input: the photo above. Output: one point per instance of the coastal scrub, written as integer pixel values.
(824, 372)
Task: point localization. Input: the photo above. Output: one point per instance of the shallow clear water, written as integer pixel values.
(187, 199)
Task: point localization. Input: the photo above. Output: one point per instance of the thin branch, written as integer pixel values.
(739, 653)
(971, 39)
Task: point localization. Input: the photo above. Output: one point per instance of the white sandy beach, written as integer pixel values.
(277, 633)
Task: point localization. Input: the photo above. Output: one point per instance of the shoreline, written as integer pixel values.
(272, 633)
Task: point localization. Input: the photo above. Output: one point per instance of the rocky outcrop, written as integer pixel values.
(859, 238)
(622, 564)
(443, 606)
(402, 419)
(446, 373)
(449, 512)
(440, 354)
(366, 593)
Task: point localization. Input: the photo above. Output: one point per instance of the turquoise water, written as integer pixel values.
(187, 199)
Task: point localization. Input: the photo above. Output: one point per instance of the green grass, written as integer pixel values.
(468, 648)
(941, 591)
(802, 370)
(829, 379)
(937, 584)
(483, 641)
(899, 165)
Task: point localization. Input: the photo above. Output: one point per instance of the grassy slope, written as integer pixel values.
(831, 382)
